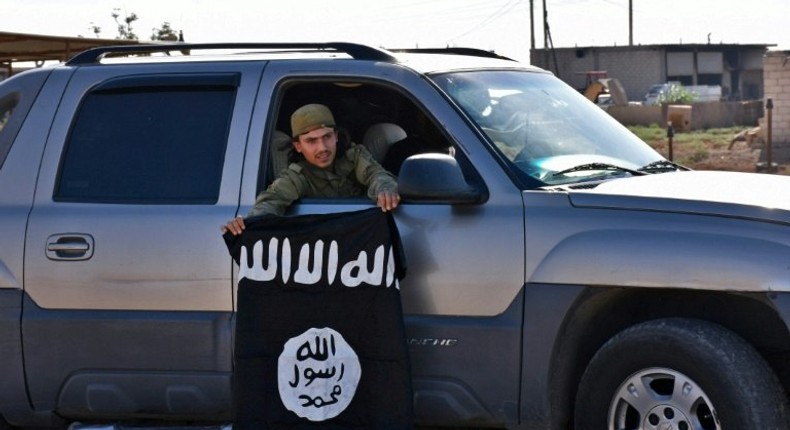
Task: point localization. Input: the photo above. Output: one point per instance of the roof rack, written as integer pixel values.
(474, 52)
(355, 50)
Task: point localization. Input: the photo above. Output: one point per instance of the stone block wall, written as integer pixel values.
(776, 80)
(637, 68)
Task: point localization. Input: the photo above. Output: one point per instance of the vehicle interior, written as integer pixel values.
(388, 123)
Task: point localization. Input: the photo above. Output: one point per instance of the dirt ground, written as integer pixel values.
(721, 155)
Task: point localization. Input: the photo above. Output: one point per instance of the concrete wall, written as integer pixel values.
(700, 117)
(637, 68)
(776, 78)
(572, 64)
(636, 115)
(725, 114)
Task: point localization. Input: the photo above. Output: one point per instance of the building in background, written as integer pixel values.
(736, 68)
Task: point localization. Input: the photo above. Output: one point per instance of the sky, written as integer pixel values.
(499, 25)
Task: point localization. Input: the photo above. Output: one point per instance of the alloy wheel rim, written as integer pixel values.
(661, 399)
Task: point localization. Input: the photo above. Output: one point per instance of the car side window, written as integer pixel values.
(150, 140)
(382, 118)
(6, 107)
(16, 98)
(5, 112)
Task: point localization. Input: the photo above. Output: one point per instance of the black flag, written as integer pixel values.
(320, 340)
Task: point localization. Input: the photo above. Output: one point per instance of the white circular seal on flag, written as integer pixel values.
(317, 374)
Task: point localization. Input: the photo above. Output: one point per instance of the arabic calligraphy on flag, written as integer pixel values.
(320, 340)
(318, 373)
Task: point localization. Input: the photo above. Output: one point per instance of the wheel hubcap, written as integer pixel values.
(661, 399)
(667, 417)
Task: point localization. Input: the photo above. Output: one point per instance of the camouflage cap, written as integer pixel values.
(310, 117)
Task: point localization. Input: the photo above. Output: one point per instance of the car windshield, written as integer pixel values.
(544, 128)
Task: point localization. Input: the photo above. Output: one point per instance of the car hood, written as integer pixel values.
(743, 195)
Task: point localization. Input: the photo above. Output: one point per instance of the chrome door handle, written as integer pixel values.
(73, 247)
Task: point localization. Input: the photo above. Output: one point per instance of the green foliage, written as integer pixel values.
(165, 32)
(125, 30)
(676, 94)
(648, 133)
(696, 152)
(654, 131)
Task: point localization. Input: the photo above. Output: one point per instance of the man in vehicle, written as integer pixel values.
(324, 164)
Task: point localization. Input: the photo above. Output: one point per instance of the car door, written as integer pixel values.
(128, 294)
(463, 290)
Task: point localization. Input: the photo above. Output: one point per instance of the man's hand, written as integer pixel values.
(387, 200)
(234, 226)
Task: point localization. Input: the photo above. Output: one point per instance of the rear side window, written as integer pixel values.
(16, 98)
(154, 140)
(6, 107)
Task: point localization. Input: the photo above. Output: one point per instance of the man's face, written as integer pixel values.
(318, 146)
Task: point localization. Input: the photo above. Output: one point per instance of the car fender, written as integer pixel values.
(661, 259)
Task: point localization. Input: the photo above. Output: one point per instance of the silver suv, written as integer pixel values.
(562, 274)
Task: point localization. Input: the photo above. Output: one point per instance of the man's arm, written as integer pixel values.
(287, 188)
(381, 184)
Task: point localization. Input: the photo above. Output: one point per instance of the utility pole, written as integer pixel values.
(545, 27)
(545, 36)
(532, 25)
(630, 22)
(548, 43)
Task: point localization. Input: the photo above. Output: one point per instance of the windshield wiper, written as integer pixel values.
(662, 166)
(598, 166)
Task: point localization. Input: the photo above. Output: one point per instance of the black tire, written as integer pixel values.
(722, 382)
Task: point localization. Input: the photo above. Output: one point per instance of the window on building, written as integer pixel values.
(709, 79)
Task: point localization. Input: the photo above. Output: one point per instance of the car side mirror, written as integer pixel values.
(435, 177)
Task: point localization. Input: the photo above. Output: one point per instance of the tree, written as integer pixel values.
(125, 30)
(165, 32)
(95, 29)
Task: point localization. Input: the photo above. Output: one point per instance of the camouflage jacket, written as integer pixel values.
(354, 174)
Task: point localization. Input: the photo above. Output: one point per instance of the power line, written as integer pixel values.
(507, 7)
(454, 10)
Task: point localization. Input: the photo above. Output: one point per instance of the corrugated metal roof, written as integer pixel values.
(15, 47)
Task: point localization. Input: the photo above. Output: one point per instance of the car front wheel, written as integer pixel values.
(680, 374)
